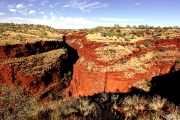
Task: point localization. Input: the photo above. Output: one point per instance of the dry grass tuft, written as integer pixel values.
(146, 108)
(62, 109)
(157, 103)
(14, 104)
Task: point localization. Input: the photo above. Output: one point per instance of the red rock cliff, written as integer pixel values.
(35, 66)
(117, 66)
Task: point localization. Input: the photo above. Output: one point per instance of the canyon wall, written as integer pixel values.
(42, 67)
(113, 66)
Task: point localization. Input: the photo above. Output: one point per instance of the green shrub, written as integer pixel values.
(112, 51)
(139, 47)
(111, 33)
(118, 30)
(91, 32)
(126, 39)
(146, 44)
(103, 34)
(123, 60)
(7, 45)
(132, 37)
(167, 37)
(159, 34)
(138, 35)
(177, 61)
(18, 37)
(163, 49)
(119, 35)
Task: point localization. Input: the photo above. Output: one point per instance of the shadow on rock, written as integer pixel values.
(168, 86)
(67, 64)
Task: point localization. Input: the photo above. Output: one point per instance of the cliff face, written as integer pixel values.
(42, 67)
(113, 66)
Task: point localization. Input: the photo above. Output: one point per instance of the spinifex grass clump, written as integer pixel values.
(63, 109)
(148, 108)
(14, 104)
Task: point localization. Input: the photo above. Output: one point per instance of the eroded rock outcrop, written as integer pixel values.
(43, 67)
(113, 66)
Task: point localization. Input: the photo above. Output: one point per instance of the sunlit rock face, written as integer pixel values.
(107, 65)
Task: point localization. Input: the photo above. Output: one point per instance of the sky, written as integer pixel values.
(77, 14)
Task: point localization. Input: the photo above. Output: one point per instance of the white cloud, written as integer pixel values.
(61, 22)
(137, 3)
(2, 13)
(137, 19)
(65, 6)
(53, 17)
(56, 22)
(119, 19)
(30, 5)
(10, 6)
(54, 5)
(51, 14)
(19, 6)
(77, 20)
(45, 17)
(2, 5)
(51, 6)
(41, 13)
(84, 6)
(44, 2)
(32, 12)
(113, 19)
(12, 10)
(23, 12)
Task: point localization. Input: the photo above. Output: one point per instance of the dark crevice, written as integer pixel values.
(28, 49)
(47, 79)
(64, 71)
(66, 65)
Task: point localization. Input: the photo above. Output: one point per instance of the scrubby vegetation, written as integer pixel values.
(152, 108)
(13, 33)
(131, 33)
(15, 104)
